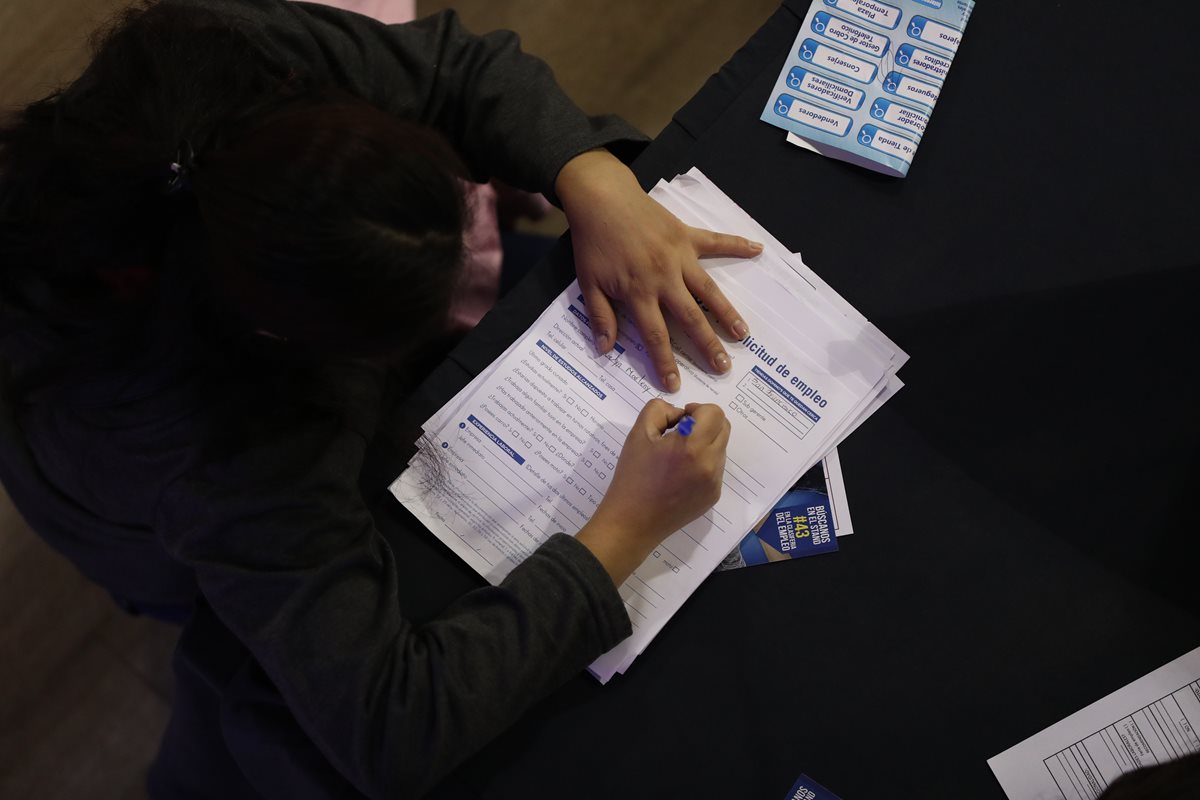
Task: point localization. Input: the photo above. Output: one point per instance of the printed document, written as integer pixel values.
(1151, 721)
(528, 448)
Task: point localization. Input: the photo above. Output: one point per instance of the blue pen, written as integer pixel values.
(684, 426)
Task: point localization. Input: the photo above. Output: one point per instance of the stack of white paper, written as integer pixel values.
(528, 447)
(1151, 721)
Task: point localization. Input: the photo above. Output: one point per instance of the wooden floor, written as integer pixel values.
(85, 689)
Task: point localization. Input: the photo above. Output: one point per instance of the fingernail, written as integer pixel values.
(756, 247)
(672, 382)
(602, 343)
(740, 329)
(722, 362)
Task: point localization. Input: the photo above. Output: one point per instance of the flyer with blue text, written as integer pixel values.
(801, 524)
(863, 77)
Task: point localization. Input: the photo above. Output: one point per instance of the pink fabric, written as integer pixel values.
(480, 284)
(390, 12)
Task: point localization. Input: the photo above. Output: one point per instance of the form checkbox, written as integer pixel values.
(539, 436)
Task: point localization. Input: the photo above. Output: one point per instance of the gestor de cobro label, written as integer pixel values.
(863, 76)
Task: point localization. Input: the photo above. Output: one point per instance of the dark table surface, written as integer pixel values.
(1024, 509)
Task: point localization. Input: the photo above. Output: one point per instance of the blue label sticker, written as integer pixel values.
(887, 142)
(812, 115)
(934, 32)
(850, 34)
(911, 89)
(806, 788)
(930, 3)
(926, 62)
(826, 89)
(881, 14)
(903, 117)
(837, 61)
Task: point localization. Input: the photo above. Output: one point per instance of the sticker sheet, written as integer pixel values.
(863, 77)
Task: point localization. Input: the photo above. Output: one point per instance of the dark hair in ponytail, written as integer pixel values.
(301, 212)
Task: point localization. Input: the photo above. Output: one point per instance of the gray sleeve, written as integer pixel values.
(289, 558)
(500, 107)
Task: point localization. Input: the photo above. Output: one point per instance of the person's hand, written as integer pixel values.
(661, 483)
(631, 249)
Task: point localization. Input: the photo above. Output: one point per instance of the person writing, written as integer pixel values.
(224, 250)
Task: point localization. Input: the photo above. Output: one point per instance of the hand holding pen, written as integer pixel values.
(662, 482)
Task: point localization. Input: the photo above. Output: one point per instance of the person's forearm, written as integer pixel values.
(499, 106)
(588, 174)
(619, 553)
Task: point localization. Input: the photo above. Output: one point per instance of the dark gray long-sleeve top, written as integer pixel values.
(275, 533)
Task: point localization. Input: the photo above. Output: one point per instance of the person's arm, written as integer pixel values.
(500, 107)
(508, 117)
(288, 557)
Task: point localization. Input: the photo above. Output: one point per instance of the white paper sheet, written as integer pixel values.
(529, 446)
(835, 486)
(1150, 721)
(532, 452)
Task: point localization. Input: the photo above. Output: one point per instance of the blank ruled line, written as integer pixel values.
(729, 461)
(648, 586)
(677, 558)
(639, 594)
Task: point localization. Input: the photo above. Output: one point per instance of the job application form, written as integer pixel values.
(531, 450)
(529, 446)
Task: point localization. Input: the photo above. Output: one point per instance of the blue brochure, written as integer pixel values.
(800, 524)
(863, 77)
(806, 788)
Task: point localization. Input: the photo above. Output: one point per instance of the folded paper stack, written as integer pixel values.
(528, 447)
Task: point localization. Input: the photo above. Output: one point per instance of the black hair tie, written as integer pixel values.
(182, 168)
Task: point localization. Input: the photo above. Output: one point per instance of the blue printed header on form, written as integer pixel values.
(864, 75)
(574, 373)
(496, 440)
